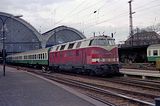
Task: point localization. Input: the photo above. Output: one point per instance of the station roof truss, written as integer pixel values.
(20, 36)
(61, 34)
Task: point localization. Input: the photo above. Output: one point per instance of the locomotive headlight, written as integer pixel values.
(102, 60)
(105, 59)
(95, 59)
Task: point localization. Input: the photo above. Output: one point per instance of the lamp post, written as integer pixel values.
(4, 20)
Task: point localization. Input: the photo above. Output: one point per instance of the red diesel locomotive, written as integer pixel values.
(95, 56)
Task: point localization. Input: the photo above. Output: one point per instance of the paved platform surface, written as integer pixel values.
(147, 73)
(19, 88)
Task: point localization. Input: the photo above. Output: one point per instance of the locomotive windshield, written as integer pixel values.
(102, 42)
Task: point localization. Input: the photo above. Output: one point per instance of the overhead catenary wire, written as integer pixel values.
(87, 16)
(137, 9)
(73, 10)
(82, 10)
(124, 14)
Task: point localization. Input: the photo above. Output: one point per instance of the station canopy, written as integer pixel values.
(19, 35)
(61, 34)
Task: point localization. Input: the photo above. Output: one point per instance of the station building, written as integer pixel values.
(134, 49)
(20, 36)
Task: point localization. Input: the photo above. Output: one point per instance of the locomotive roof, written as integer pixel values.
(83, 43)
(95, 37)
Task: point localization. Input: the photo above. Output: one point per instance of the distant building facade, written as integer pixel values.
(134, 48)
(142, 39)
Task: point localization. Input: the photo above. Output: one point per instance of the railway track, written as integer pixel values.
(145, 84)
(100, 90)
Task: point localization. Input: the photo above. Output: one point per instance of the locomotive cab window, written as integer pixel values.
(102, 42)
(90, 42)
(111, 42)
(99, 42)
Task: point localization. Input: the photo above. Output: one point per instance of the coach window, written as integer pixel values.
(38, 56)
(35, 56)
(43, 55)
(78, 45)
(71, 46)
(149, 53)
(155, 52)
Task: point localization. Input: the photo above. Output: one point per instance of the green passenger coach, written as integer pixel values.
(153, 52)
(34, 57)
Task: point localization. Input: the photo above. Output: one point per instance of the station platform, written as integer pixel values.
(19, 88)
(143, 73)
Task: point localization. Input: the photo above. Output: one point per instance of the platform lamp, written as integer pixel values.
(4, 20)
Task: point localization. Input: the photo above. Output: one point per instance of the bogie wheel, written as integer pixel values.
(92, 73)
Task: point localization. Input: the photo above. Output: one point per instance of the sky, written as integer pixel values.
(87, 16)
